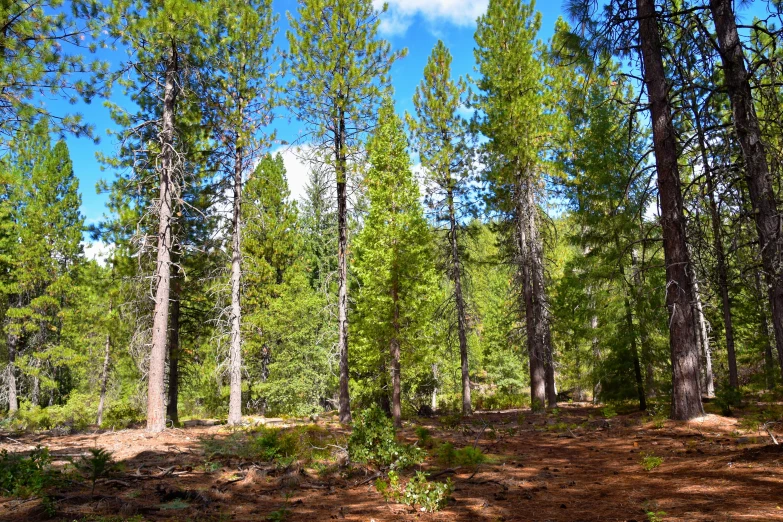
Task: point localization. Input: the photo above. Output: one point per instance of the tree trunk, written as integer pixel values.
(535, 355)
(156, 409)
(644, 338)
(342, 268)
(637, 365)
(462, 327)
(720, 259)
(686, 393)
(396, 405)
(540, 301)
(235, 350)
(435, 387)
(703, 335)
(746, 124)
(766, 335)
(172, 407)
(104, 377)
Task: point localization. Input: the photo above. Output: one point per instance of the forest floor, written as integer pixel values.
(571, 465)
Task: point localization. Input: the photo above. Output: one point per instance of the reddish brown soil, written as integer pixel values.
(538, 470)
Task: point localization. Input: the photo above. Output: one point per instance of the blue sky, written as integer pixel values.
(412, 24)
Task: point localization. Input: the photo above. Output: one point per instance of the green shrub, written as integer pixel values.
(373, 442)
(99, 463)
(121, 415)
(728, 398)
(26, 476)
(425, 437)
(649, 461)
(468, 456)
(430, 496)
(77, 414)
(609, 411)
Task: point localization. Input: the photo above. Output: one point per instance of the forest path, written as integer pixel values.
(571, 465)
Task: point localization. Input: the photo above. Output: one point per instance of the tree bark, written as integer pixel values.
(235, 350)
(462, 327)
(104, 377)
(757, 174)
(686, 393)
(766, 335)
(535, 353)
(156, 410)
(394, 346)
(12, 341)
(540, 300)
(703, 336)
(637, 365)
(342, 267)
(644, 338)
(720, 259)
(172, 406)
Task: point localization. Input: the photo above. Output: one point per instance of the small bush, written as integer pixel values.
(121, 415)
(26, 476)
(99, 463)
(728, 398)
(609, 411)
(649, 461)
(468, 456)
(430, 496)
(373, 442)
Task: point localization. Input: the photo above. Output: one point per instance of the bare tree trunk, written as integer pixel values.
(462, 327)
(703, 335)
(172, 407)
(342, 268)
(746, 124)
(104, 377)
(435, 388)
(235, 350)
(396, 405)
(156, 409)
(686, 393)
(536, 356)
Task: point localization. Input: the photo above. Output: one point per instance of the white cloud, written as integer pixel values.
(297, 168)
(97, 251)
(402, 12)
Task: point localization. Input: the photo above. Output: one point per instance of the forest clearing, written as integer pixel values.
(446, 260)
(574, 464)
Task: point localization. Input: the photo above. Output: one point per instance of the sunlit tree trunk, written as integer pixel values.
(156, 408)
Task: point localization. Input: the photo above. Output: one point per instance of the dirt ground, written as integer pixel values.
(571, 466)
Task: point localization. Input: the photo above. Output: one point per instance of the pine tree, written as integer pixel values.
(46, 228)
(339, 70)
(35, 64)
(440, 137)
(511, 99)
(243, 105)
(282, 320)
(757, 172)
(167, 39)
(393, 250)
